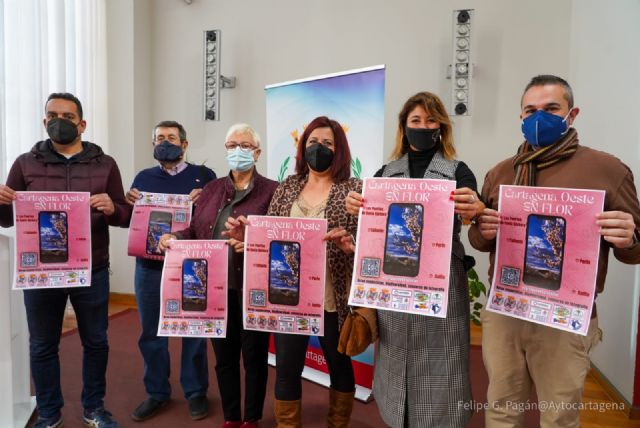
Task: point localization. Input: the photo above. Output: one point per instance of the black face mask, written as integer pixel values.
(167, 152)
(422, 139)
(62, 131)
(318, 157)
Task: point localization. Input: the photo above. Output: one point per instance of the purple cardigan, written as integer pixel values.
(215, 195)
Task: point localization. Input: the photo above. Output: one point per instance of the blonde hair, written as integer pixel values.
(432, 105)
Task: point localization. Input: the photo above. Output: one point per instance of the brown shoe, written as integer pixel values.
(340, 407)
(288, 414)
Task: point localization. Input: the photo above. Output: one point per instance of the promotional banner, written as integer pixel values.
(354, 98)
(284, 275)
(547, 256)
(155, 214)
(193, 295)
(403, 248)
(53, 240)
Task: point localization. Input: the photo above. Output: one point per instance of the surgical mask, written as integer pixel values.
(422, 138)
(240, 160)
(62, 131)
(167, 152)
(542, 129)
(318, 157)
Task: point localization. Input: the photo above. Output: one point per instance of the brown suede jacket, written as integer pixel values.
(44, 170)
(586, 169)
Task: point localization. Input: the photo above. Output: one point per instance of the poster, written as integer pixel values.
(284, 275)
(354, 98)
(53, 240)
(193, 294)
(403, 249)
(155, 214)
(547, 256)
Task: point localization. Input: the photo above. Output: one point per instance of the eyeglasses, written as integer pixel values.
(245, 147)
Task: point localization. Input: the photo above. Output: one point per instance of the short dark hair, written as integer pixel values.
(171, 124)
(65, 96)
(550, 79)
(341, 166)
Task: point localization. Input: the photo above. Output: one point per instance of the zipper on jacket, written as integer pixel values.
(68, 178)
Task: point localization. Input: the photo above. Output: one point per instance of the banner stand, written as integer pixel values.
(362, 394)
(16, 403)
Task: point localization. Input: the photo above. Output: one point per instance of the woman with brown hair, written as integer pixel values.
(422, 364)
(317, 190)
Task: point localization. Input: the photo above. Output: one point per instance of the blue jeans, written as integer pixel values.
(45, 313)
(194, 375)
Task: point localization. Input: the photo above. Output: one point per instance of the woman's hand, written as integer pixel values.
(343, 239)
(238, 246)
(353, 202)
(488, 224)
(467, 203)
(235, 228)
(165, 241)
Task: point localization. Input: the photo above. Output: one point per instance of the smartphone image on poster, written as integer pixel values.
(403, 240)
(284, 273)
(544, 254)
(53, 233)
(194, 284)
(159, 224)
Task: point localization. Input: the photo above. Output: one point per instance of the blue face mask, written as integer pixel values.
(167, 152)
(239, 160)
(542, 129)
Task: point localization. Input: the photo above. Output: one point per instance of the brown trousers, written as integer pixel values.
(519, 355)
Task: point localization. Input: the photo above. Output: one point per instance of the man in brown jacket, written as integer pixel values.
(66, 163)
(519, 354)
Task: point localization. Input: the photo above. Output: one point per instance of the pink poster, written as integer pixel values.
(53, 240)
(403, 249)
(284, 266)
(154, 215)
(194, 289)
(547, 256)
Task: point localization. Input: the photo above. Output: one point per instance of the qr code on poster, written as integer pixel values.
(510, 276)
(28, 260)
(181, 216)
(173, 307)
(257, 298)
(370, 267)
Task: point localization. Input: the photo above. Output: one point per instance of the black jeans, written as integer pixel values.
(45, 313)
(255, 347)
(291, 350)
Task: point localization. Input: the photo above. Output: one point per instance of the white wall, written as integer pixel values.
(604, 65)
(156, 55)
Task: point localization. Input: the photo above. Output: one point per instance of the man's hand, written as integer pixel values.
(7, 195)
(235, 228)
(616, 227)
(342, 239)
(353, 202)
(133, 195)
(165, 241)
(488, 224)
(103, 203)
(195, 195)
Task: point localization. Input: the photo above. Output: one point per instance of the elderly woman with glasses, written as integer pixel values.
(243, 192)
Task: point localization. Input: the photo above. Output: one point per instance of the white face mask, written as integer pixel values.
(240, 160)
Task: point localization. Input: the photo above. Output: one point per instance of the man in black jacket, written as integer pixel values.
(66, 163)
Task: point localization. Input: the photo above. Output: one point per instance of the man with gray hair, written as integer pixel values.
(175, 176)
